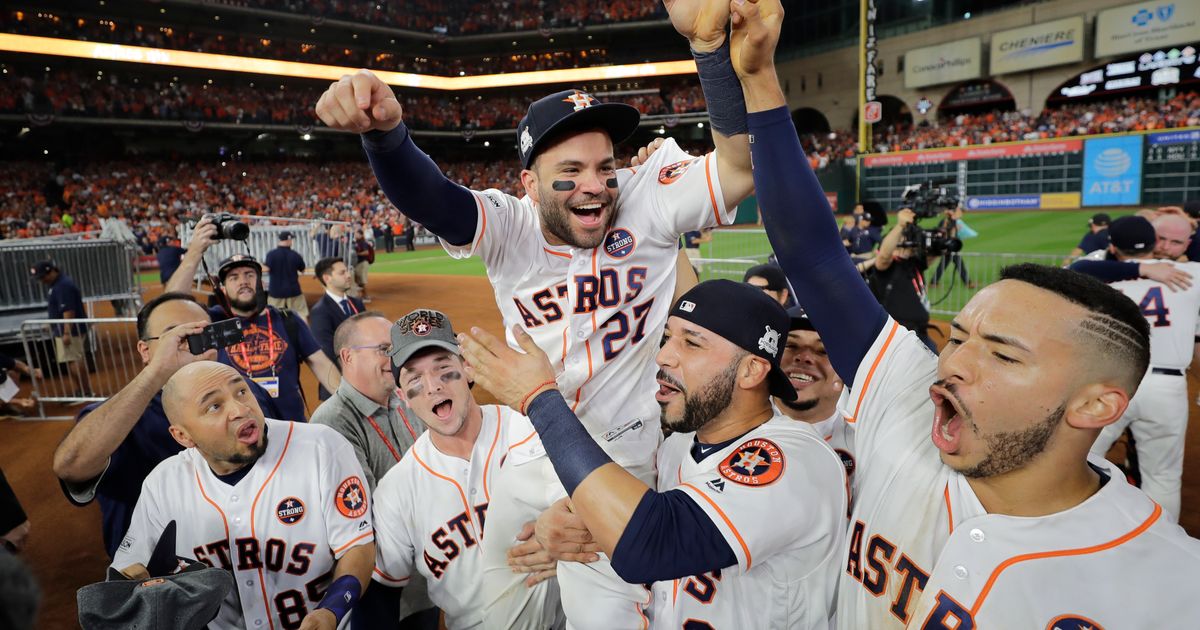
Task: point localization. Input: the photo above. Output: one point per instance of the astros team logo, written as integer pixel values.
(350, 499)
(1073, 622)
(671, 172)
(290, 511)
(757, 462)
(257, 349)
(580, 100)
(619, 243)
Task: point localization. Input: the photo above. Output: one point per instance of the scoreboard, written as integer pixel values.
(1171, 167)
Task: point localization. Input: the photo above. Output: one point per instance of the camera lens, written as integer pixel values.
(235, 230)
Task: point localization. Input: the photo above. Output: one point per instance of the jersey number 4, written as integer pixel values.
(1154, 308)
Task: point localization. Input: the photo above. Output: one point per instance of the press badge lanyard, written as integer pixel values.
(379, 430)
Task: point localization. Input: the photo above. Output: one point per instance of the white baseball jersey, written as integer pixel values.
(923, 553)
(592, 310)
(1174, 316)
(280, 529)
(777, 495)
(430, 510)
(839, 435)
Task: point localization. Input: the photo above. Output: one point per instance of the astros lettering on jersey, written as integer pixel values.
(280, 529)
(775, 494)
(591, 310)
(430, 510)
(923, 553)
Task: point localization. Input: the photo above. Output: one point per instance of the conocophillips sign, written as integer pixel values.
(944, 63)
(1037, 46)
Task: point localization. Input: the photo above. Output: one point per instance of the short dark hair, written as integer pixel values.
(345, 330)
(1114, 325)
(324, 266)
(143, 316)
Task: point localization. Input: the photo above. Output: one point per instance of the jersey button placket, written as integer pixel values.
(977, 535)
(961, 572)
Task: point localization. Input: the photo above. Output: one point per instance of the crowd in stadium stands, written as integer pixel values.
(1077, 119)
(466, 17)
(112, 95)
(177, 38)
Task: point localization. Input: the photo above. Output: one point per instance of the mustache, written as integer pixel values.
(952, 390)
(671, 380)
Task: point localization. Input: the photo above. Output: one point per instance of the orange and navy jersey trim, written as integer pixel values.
(862, 392)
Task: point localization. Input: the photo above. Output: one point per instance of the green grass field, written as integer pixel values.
(1035, 232)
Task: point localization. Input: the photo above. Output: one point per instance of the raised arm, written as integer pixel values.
(364, 104)
(704, 23)
(796, 214)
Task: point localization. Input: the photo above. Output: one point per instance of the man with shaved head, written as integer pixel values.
(976, 503)
(1174, 236)
(281, 505)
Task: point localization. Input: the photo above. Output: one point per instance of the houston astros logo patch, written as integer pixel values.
(1073, 622)
(350, 499)
(290, 511)
(671, 172)
(756, 462)
(619, 243)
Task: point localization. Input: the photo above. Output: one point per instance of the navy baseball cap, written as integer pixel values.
(420, 329)
(773, 274)
(1132, 234)
(1100, 218)
(285, 236)
(563, 112)
(235, 261)
(744, 316)
(800, 320)
(42, 268)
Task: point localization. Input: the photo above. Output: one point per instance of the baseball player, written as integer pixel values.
(430, 508)
(280, 504)
(710, 537)
(976, 503)
(585, 262)
(820, 395)
(1158, 414)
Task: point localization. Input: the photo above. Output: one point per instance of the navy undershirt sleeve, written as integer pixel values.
(669, 537)
(1108, 270)
(805, 238)
(417, 187)
(570, 447)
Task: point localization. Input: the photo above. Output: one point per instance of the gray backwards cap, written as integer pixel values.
(420, 329)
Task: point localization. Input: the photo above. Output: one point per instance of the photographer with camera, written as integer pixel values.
(897, 276)
(116, 443)
(950, 228)
(276, 342)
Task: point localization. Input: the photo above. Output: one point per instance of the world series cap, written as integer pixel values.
(551, 117)
(420, 329)
(744, 316)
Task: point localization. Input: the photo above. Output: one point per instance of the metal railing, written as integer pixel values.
(103, 270)
(264, 237)
(110, 362)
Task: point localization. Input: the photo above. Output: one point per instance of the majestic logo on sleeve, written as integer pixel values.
(351, 499)
(619, 243)
(757, 462)
(290, 511)
(672, 172)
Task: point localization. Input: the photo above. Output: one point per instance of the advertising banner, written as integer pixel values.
(1144, 25)
(1043, 201)
(974, 153)
(1038, 46)
(1112, 171)
(945, 63)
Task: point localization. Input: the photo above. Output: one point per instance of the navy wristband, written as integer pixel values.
(384, 141)
(722, 91)
(342, 595)
(571, 449)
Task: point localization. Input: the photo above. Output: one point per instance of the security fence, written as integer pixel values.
(110, 361)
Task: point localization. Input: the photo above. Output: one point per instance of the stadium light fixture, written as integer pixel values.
(306, 137)
(252, 65)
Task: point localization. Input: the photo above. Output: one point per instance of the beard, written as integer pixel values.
(556, 218)
(250, 304)
(708, 401)
(1011, 450)
(800, 405)
(255, 451)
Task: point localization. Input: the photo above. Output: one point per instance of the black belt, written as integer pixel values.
(1167, 371)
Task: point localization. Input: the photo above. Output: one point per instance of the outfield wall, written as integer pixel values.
(1152, 168)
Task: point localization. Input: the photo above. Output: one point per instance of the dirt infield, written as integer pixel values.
(65, 550)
